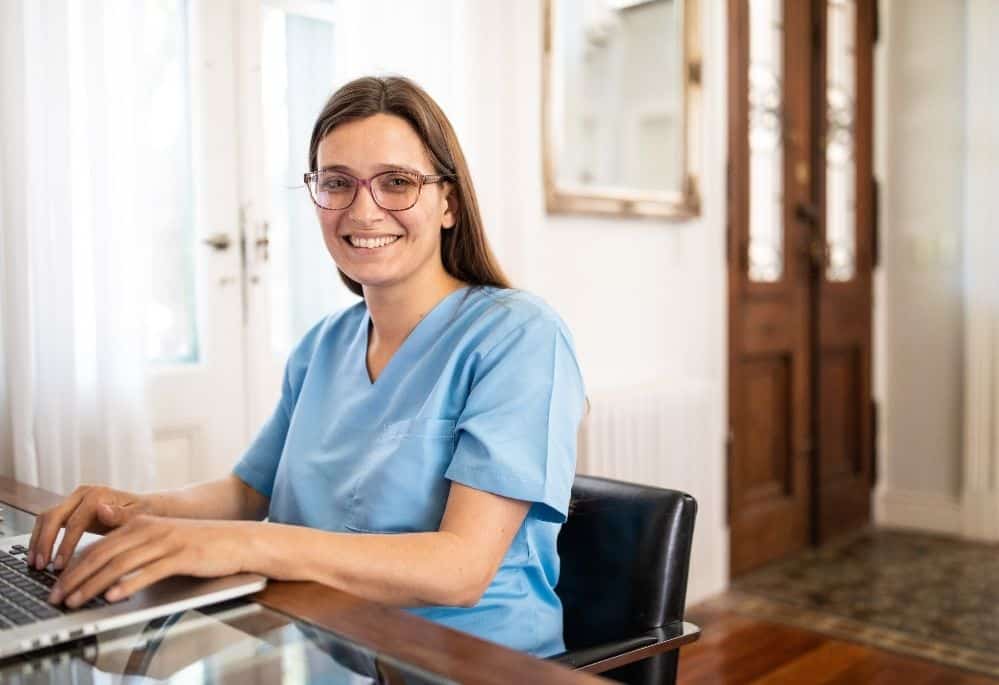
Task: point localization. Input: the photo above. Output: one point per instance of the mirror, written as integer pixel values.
(621, 95)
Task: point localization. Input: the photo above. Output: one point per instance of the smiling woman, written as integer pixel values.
(423, 449)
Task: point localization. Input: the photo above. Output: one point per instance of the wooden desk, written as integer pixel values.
(392, 632)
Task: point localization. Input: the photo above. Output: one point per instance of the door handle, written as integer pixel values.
(807, 214)
(219, 241)
(263, 241)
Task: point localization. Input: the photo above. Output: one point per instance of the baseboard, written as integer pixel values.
(981, 516)
(926, 511)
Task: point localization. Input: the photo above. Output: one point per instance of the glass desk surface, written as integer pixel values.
(234, 642)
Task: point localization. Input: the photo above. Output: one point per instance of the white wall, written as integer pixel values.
(920, 139)
(980, 498)
(645, 299)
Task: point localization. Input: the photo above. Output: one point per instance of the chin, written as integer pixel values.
(373, 280)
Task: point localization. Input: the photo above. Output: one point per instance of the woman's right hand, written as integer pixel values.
(92, 508)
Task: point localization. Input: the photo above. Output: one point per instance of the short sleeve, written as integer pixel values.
(516, 436)
(258, 465)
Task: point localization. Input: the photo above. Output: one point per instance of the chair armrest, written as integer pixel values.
(603, 657)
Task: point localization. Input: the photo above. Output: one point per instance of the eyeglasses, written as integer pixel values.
(391, 190)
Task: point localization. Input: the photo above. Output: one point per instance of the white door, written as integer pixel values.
(240, 271)
(195, 343)
(289, 57)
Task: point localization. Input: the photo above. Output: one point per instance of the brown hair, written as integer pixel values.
(464, 250)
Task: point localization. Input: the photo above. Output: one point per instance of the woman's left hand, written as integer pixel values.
(148, 549)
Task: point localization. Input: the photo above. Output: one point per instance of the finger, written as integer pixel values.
(113, 572)
(94, 558)
(158, 570)
(47, 528)
(76, 525)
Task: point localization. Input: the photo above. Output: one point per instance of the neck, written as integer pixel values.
(395, 311)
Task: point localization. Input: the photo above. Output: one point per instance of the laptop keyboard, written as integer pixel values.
(24, 592)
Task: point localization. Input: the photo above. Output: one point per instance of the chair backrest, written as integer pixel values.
(625, 554)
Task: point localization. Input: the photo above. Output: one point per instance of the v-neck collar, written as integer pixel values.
(426, 330)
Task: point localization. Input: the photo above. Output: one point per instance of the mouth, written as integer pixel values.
(371, 243)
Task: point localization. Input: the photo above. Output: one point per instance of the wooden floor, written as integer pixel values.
(737, 649)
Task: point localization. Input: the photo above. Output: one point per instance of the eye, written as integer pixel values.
(396, 182)
(333, 183)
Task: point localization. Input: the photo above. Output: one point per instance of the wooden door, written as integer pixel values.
(843, 423)
(799, 294)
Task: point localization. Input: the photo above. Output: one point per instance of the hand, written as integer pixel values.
(92, 508)
(148, 549)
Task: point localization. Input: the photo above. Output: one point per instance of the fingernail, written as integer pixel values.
(113, 594)
(31, 559)
(39, 562)
(55, 596)
(74, 599)
(58, 562)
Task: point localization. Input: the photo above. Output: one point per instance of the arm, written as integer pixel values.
(226, 498)
(452, 566)
(101, 509)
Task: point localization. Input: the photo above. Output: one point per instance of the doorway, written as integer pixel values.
(801, 251)
(250, 273)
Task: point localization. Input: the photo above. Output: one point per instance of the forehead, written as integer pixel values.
(375, 140)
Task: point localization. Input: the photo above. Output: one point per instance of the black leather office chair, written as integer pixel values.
(625, 554)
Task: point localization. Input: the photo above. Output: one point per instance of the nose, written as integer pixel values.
(363, 210)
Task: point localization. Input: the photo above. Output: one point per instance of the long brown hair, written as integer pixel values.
(464, 249)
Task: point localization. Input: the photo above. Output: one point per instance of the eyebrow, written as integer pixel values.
(379, 167)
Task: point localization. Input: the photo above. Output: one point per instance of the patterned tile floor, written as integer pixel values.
(914, 593)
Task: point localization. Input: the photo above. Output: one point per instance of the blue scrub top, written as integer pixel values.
(486, 392)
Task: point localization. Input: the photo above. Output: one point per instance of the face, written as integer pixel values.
(383, 249)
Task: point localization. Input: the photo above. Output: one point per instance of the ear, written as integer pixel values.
(451, 206)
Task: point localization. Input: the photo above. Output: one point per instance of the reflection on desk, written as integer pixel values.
(13, 521)
(238, 642)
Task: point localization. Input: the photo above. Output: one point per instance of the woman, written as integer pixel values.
(423, 449)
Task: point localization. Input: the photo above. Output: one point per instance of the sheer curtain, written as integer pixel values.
(72, 370)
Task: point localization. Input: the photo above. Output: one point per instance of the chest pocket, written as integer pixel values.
(399, 483)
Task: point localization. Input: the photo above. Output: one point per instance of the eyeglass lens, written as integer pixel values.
(391, 190)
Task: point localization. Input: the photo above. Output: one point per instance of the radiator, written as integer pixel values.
(655, 435)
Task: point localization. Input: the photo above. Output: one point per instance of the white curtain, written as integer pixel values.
(72, 376)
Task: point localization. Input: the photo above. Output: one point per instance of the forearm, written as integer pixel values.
(408, 569)
(227, 498)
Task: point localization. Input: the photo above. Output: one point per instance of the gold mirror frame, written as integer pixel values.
(678, 204)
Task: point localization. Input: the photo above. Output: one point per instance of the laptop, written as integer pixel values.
(29, 622)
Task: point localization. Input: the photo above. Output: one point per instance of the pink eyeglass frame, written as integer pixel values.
(311, 179)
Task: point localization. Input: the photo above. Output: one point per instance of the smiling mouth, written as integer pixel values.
(371, 243)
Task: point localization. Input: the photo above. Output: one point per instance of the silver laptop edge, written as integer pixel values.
(166, 597)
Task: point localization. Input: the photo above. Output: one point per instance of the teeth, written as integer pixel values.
(372, 242)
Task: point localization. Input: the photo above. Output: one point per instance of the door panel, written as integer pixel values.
(769, 486)
(258, 73)
(842, 280)
(291, 54)
(767, 401)
(799, 274)
(839, 415)
(197, 403)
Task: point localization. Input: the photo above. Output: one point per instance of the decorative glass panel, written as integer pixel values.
(163, 103)
(766, 144)
(840, 160)
(297, 78)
